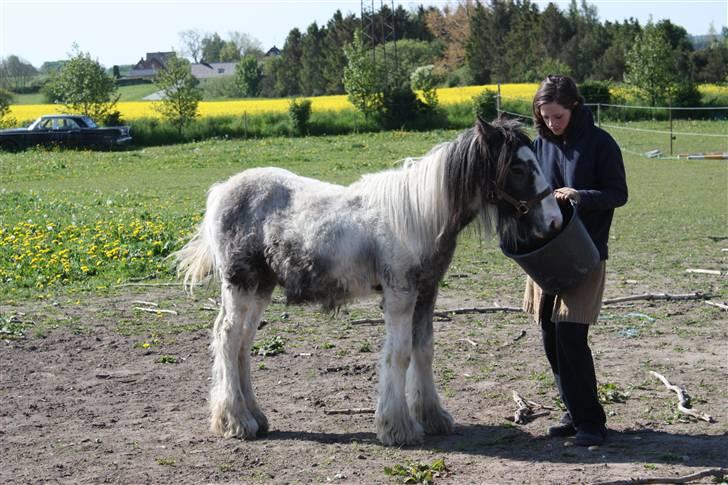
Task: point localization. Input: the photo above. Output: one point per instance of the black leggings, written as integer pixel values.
(571, 361)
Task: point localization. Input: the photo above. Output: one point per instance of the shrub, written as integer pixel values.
(112, 119)
(424, 79)
(400, 108)
(595, 92)
(485, 105)
(299, 112)
(686, 94)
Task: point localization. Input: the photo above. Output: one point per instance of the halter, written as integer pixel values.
(522, 207)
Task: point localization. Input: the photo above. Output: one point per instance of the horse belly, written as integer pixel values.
(330, 267)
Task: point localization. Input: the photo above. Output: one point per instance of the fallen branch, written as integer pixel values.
(722, 306)
(467, 340)
(155, 310)
(525, 413)
(659, 296)
(122, 285)
(683, 400)
(146, 303)
(713, 472)
(461, 311)
(447, 313)
(350, 411)
(702, 271)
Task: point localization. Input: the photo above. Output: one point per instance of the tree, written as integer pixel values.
(312, 59)
(361, 79)
(6, 99)
(452, 29)
(16, 74)
(83, 86)
(181, 96)
(612, 65)
(248, 76)
(191, 44)
(651, 65)
(212, 46)
(245, 45)
(289, 72)
(339, 32)
(424, 79)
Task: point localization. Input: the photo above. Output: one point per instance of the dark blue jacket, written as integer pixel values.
(587, 159)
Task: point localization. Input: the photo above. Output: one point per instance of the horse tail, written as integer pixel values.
(196, 260)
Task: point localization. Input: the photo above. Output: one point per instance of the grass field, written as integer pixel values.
(106, 368)
(77, 221)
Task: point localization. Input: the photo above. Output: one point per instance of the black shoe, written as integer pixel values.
(565, 428)
(590, 434)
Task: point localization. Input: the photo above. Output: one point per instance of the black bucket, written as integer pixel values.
(563, 262)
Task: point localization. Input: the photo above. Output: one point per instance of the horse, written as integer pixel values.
(393, 233)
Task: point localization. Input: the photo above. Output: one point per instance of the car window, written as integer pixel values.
(89, 122)
(47, 124)
(71, 124)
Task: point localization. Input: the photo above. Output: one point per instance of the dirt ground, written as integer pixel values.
(90, 394)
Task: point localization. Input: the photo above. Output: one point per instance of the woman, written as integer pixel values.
(584, 165)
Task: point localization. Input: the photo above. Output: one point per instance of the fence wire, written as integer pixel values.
(680, 138)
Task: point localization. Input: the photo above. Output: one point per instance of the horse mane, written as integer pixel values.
(433, 195)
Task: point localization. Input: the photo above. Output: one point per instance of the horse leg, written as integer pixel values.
(393, 422)
(230, 414)
(250, 326)
(424, 403)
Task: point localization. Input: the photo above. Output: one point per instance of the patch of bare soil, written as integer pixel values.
(104, 393)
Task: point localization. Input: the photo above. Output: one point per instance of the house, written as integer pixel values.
(205, 70)
(273, 52)
(148, 68)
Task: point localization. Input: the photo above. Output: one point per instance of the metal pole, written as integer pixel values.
(669, 111)
(498, 101)
(599, 115)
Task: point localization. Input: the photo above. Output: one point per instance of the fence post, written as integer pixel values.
(599, 115)
(669, 111)
(498, 101)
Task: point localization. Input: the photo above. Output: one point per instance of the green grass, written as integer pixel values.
(131, 209)
(136, 92)
(128, 93)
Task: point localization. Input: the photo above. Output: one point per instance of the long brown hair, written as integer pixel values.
(555, 89)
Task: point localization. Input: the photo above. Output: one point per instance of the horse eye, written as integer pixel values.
(517, 170)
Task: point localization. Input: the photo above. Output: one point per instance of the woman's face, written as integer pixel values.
(556, 117)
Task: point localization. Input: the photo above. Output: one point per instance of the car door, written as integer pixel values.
(61, 132)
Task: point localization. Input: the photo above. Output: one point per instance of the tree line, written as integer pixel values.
(473, 42)
(479, 43)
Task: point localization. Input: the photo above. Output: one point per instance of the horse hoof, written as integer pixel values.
(438, 422)
(399, 434)
(228, 425)
(262, 423)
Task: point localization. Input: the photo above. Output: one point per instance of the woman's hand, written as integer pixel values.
(565, 194)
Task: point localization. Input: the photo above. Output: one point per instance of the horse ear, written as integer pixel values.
(483, 128)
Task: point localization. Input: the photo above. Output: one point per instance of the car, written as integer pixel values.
(76, 131)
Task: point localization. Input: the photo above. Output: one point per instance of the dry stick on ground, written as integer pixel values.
(155, 310)
(461, 311)
(448, 313)
(684, 400)
(659, 296)
(518, 337)
(713, 472)
(525, 413)
(350, 411)
(722, 306)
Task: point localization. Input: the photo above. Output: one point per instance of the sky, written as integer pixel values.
(122, 31)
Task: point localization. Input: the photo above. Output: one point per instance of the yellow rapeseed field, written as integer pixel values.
(132, 110)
